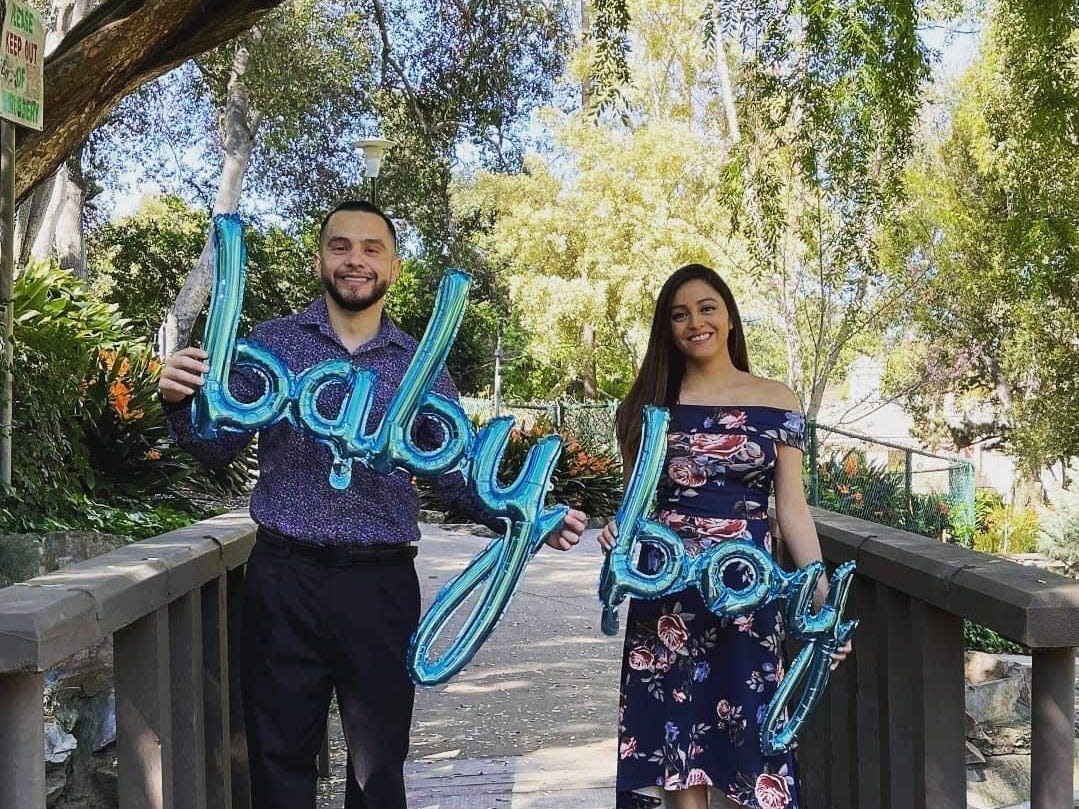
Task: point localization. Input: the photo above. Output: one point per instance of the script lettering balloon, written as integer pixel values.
(388, 446)
(765, 582)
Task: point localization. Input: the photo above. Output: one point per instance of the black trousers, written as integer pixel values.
(311, 628)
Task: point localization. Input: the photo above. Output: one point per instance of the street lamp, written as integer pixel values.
(373, 151)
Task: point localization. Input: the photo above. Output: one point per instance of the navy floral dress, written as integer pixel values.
(695, 688)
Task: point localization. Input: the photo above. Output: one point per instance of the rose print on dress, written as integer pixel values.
(701, 680)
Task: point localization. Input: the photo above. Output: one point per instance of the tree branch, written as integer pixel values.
(114, 50)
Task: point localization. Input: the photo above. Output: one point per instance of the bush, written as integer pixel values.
(1059, 536)
(848, 484)
(586, 480)
(90, 449)
(1008, 530)
(977, 638)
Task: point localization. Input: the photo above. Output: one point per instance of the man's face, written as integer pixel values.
(356, 259)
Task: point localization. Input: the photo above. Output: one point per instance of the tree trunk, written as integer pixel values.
(588, 371)
(118, 47)
(240, 127)
(726, 87)
(68, 236)
(586, 34)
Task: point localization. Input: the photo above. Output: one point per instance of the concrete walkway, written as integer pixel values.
(531, 723)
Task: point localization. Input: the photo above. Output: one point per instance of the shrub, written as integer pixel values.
(977, 638)
(1059, 535)
(587, 480)
(1008, 530)
(90, 448)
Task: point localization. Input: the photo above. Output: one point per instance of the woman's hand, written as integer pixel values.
(182, 374)
(840, 654)
(608, 536)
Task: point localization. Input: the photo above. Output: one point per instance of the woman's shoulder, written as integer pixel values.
(765, 392)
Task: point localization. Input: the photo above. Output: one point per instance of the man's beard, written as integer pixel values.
(355, 303)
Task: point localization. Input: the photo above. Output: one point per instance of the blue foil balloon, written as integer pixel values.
(765, 582)
(500, 567)
(389, 445)
(215, 408)
(619, 576)
(823, 633)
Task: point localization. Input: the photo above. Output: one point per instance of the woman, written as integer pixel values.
(694, 687)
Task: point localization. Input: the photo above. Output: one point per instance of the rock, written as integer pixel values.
(482, 531)
(21, 558)
(974, 756)
(1019, 668)
(993, 700)
(981, 667)
(974, 731)
(59, 745)
(55, 782)
(105, 782)
(598, 522)
(431, 516)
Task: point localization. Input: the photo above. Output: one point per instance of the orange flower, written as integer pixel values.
(850, 465)
(153, 455)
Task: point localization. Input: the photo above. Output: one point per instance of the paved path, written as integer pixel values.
(530, 724)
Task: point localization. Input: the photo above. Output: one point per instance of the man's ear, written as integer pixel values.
(395, 268)
(316, 266)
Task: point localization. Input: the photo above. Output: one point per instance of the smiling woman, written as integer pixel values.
(696, 687)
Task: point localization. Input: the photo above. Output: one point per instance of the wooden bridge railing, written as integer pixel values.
(889, 733)
(890, 730)
(169, 603)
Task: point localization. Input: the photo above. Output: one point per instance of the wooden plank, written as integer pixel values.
(1052, 722)
(940, 772)
(215, 694)
(143, 716)
(188, 726)
(22, 741)
(841, 751)
(814, 758)
(869, 700)
(241, 783)
(45, 620)
(898, 705)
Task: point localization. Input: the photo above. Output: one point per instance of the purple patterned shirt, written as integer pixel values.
(293, 495)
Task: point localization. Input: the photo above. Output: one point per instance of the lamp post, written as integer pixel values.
(373, 150)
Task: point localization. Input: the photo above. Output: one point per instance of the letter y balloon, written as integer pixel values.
(388, 446)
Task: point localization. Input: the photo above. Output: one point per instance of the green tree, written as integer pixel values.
(995, 219)
(137, 264)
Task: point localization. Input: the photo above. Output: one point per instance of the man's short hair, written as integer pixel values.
(358, 205)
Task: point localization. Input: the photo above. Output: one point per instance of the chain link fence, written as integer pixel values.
(890, 484)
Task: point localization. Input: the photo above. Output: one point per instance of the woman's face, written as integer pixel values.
(699, 321)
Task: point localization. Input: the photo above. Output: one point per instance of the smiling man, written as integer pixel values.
(330, 595)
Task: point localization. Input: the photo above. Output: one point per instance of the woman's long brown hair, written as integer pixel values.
(659, 380)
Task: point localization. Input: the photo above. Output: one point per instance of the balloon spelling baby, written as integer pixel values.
(388, 445)
(822, 633)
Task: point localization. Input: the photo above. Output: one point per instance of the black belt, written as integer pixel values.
(375, 554)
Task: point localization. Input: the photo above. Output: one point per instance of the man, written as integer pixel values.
(331, 596)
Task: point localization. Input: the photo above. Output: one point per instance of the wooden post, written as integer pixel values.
(22, 741)
(1052, 723)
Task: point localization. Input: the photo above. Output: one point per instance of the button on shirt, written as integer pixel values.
(293, 495)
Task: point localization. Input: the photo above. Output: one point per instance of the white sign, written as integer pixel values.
(22, 67)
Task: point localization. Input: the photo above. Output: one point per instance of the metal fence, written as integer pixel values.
(886, 483)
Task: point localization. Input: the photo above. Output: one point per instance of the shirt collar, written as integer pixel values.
(318, 316)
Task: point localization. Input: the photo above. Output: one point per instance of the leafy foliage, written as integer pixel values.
(90, 448)
(995, 222)
(138, 263)
(585, 479)
(848, 484)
